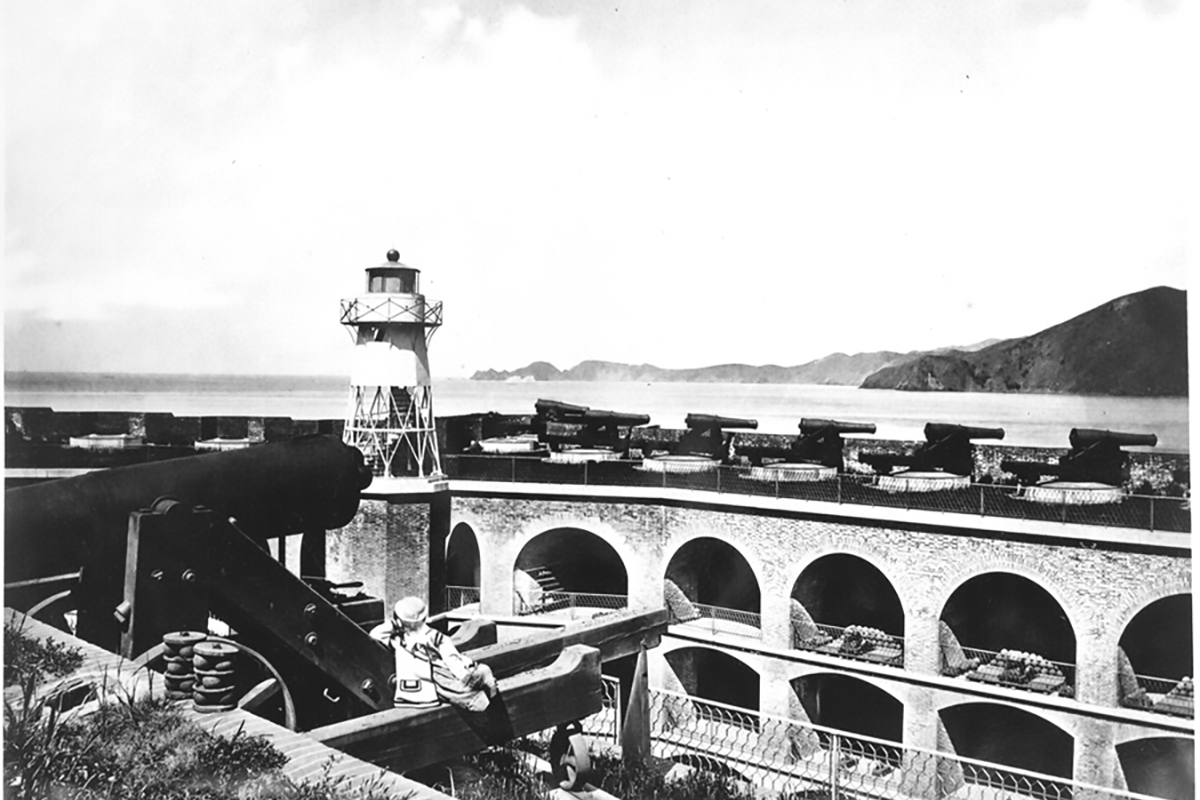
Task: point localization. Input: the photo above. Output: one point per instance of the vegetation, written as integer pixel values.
(26, 658)
(132, 748)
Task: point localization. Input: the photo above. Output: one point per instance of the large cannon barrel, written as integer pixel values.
(556, 409)
(935, 431)
(273, 489)
(1086, 437)
(811, 426)
(597, 417)
(695, 421)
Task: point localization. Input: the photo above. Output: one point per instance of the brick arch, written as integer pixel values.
(744, 549)
(610, 535)
(680, 644)
(871, 557)
(454, 527)
(1125, 615)
(485, 538)
(887, 687)
(952, 585)
(1060, 720)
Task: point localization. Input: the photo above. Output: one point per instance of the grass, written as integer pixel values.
(134, 748)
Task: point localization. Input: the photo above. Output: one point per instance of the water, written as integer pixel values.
(1028, 419)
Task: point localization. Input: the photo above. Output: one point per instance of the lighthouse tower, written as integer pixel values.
(390, 418)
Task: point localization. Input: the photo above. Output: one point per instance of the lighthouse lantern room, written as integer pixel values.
(390, 417)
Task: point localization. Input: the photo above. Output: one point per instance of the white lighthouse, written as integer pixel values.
(390, 418)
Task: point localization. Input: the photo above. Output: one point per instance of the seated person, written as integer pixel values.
(428, 665)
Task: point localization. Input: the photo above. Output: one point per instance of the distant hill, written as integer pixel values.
(1135, 345)
(838, 368)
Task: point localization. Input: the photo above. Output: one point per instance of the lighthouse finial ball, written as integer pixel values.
(393, 255)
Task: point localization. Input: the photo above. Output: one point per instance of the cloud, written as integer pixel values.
(762, 187)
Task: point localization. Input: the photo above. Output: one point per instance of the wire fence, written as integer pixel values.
(734, 621)
(606, 723)
(787, 758)
(575, 605)
(462, 596)
(1172, 514)
(855, 641)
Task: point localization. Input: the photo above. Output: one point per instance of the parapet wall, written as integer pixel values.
(25, 426)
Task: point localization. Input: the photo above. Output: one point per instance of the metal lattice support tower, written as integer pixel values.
(394, 429)
(390, 412)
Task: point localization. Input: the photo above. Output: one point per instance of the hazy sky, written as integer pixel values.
(193, 186)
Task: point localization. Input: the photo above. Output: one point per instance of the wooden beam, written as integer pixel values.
(406, 738)
(615, 636)
(474, 633)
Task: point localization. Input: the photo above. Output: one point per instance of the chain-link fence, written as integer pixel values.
(461, 596)
(1132, 511)
(791, 759)
(734, 621)
(573, 605)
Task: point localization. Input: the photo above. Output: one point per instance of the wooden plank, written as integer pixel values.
(474, 633)
(406, 738)
(615, 636)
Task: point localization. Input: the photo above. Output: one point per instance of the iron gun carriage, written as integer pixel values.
(819, 442)
(947, 448)
(557, 424)
(1096, 456)
(706, 435)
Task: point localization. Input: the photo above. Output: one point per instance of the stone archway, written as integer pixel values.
(1160, 766)
(1002, 610)
(1009, 736)
(713, 572)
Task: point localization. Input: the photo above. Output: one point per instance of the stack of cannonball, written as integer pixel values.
(180, 677)
(214, 664)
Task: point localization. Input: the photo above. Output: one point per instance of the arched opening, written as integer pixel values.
(1160, 767)
(570, 567)
(1158, 644)
(713, 675)
(854, 608)
(855, 706)
(1010, 737)
(462, 567)
(1000, 611)
(715, 576)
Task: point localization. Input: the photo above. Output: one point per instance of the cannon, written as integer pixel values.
(80, 525)
(819, 442)
(706, 435)
(1095, 457)
(557, 424)
(947, 448)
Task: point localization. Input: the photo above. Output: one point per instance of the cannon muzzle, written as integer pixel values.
(696, 421)
(936, 431)
(811, 426)
(1087, 437)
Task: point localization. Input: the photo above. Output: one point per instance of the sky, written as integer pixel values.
(193, 187)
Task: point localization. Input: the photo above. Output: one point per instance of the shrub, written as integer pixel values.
(27, 658)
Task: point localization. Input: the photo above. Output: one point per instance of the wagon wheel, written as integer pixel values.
(569, 756)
